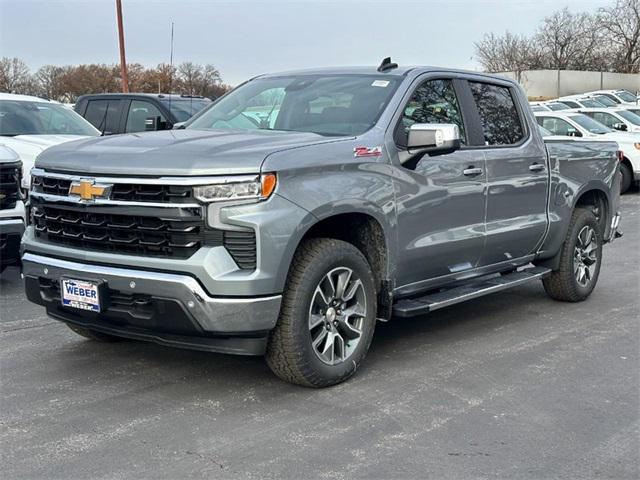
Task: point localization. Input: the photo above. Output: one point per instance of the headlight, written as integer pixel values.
(258, 188)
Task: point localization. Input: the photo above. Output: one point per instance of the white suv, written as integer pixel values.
(621, 97)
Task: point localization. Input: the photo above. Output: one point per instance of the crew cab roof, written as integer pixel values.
(399, 71)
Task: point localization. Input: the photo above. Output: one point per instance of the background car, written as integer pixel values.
(575, 124)
(618, 96)
(29, 125)
(616, 118)
(580, 101)
(114, 113)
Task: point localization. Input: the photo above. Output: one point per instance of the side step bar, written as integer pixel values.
(410, 307)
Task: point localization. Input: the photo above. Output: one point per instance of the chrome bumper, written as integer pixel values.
(212, 314)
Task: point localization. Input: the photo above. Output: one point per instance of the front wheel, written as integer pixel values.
(580, 260)
(327, 317)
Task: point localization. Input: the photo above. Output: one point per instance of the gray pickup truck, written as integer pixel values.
(302, 207)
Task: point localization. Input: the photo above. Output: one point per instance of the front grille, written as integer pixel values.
(10, 176)
(125, 192)
(128, 234)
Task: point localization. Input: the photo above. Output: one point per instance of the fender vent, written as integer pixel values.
(242, 247)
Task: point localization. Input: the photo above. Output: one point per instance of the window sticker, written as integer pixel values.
(380, 83)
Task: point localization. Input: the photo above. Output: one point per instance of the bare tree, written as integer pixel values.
(191, 77)
(621, 23)
(507, 53)
(48, 80)
(15, 76)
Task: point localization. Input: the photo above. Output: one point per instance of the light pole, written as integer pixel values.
(123, 60)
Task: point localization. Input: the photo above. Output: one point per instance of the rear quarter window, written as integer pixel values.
(501, 123)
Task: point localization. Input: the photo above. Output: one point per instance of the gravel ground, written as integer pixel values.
(512, 385)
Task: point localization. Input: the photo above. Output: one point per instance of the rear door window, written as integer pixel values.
(499, 116)
(104, 114)
(557, 126)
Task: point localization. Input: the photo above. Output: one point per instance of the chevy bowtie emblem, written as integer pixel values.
(89, 190)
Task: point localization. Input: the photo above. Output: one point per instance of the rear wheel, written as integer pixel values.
(579, 261)
(93, 335)
(327, 317)
(627, 177)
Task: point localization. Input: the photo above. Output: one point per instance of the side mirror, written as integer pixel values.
(151, 124)
(620, 126)
(433, 138)
(574, 133)
(179, 125)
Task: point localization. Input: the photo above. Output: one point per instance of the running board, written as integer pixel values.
(410, 307)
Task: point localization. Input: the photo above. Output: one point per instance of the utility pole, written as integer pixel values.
(123, 60)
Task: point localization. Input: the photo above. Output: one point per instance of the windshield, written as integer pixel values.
(41, 118)
(326, 105)
(590, 124)
(591, 103)
(185, 108)
(629, 116)
(557, 106)
(627, 96)
(606, 101)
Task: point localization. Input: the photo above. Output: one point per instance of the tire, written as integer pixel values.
(315, 343)
(627, 177)
(580, 260)
(93, 335)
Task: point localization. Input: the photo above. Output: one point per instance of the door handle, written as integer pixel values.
(472, 171)
(536, 167)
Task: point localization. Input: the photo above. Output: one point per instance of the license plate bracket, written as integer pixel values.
(81, 294)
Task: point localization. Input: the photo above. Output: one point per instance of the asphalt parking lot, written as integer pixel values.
(512, 385)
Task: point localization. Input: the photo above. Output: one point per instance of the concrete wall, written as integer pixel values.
(546, 84)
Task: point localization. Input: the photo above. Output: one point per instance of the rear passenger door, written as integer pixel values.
(516, 217)
(105, 115)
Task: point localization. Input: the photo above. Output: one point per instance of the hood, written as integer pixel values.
(623, 137)
(175, 152)
(28, 147)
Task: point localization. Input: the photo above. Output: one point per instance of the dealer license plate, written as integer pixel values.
(80, 294)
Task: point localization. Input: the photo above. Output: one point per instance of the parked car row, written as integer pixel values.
(606, 114)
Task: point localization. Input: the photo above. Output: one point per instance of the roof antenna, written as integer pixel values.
(387, 65)
(171, 68)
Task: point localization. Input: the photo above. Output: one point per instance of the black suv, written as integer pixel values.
(113, 113)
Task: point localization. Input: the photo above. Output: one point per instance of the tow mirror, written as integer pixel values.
(433, 138)
(620, 126)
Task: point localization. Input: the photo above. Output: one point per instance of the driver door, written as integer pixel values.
(440, 199)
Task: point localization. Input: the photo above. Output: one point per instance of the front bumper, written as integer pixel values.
(166, 308)
(11, 230)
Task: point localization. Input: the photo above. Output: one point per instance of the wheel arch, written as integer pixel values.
(363, 228)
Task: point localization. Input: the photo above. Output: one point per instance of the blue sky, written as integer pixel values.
(247, 37)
